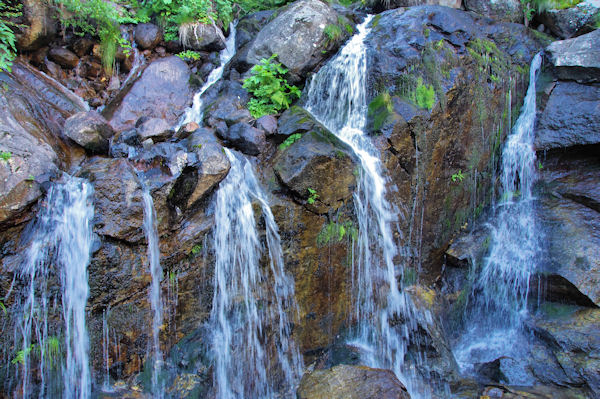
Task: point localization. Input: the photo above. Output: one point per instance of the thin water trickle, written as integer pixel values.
(337, 97)
(151, 232)
(194, 114)
(61, 243)
(500, 294)
(248, 362)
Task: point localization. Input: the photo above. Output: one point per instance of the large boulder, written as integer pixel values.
(297, 35)
(351, 382)
(163, 91)
(571, 117)
(572, 21)
(250, 25)
(90, 130)
(382, 5)
(505, 10)
(577, 59)
(317, 161)
(199, 36)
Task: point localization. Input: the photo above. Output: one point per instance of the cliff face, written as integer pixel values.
(444, 88)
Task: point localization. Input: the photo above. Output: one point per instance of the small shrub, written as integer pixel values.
(333, 33)
(333, 233)
(5, 156)
(269, 88)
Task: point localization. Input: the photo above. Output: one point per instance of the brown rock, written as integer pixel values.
(351, 382)
(63, 57)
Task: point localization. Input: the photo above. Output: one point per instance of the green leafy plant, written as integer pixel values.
(5, 156)
(96, 18)
(528, 11)
(335, 233)
(458, 177)
(290, 140)
(312, 196)
(196, 249)
(333, 33)
(22, 355)
(7, 35)
(189, 55)
(425, 95)
(269, 88)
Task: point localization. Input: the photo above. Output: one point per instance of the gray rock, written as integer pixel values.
(245, 138)
(574, 338)
(569, 217)
(147, 36)
(250, 25)
(163, 91)
(295, 120)
(577, 59)
(208, 166)
(321, 162)
(381, 5)
(569, 22)
(351, 382)
(571, 117)
(229, 107)
(505, 10)
(63, 57)
(118, 203)
(90, 130)
(267, 124)
(156, 129)
(296, 35)
(202, 37)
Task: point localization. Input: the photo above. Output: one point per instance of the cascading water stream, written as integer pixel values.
(151, 232)
(501, 291)
(61, 243)
(246, 351)
(337, 97)
(194, 114)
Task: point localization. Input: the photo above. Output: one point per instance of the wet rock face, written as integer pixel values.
(297, 35)
(572, 336)
(118, 203)
(63, 57)
(571, 117)
(90, 130)
(245, 138)
(352, 382)
(570, 224)
(163, 91)
(432, 94)
(320, 162)
(577, 59)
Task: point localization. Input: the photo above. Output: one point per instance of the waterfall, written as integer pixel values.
(247, 302)
(501, 291)
(336, 97)
(151, 232)
(194, 114)
(61, 243)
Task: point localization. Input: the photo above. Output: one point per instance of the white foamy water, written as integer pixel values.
(249, 301)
